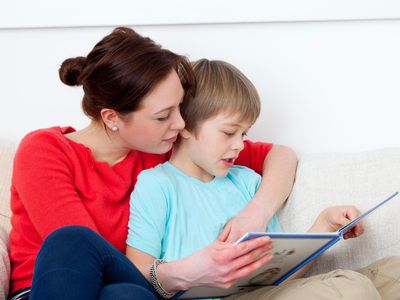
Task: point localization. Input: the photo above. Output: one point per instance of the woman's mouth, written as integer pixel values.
(171, 140)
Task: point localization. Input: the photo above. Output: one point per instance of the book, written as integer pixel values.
(291, 252)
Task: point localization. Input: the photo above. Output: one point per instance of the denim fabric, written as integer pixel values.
(74, 262)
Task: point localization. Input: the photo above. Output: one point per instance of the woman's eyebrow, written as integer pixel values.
(164, 109)
(168, 108)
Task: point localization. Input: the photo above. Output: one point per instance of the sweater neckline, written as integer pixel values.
(89, 154)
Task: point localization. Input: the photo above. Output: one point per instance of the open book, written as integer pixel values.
(291, 252)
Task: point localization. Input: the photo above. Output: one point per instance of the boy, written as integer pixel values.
(190, 198)
(181, 206)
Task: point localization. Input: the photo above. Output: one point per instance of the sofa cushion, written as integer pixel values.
(4, 264)
(7, 150)
(362, 179)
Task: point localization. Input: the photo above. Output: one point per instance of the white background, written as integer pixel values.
(328, 75)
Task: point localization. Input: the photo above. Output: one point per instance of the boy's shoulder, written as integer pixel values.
(238, 170)
(243, 174)
(161, 174)
(245, 179)
(157, 171)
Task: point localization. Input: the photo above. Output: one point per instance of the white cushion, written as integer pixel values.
(7, 150)
(362, 179)
(4, 264)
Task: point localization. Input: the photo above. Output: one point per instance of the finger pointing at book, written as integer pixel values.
(333, 218)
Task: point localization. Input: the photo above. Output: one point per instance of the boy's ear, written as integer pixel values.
(185, 134)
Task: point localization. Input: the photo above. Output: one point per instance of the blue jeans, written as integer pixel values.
(74, 262)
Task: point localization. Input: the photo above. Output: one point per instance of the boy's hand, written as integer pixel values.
(333, 218)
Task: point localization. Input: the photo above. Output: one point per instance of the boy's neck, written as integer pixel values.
(180, 159)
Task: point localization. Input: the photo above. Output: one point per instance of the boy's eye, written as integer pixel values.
(244, 134)
(163, 118)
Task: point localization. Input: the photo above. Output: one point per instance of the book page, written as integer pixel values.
(289, 251)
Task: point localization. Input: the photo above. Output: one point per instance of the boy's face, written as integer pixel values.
(215, 146)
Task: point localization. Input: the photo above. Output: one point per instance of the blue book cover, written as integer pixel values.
(291, 252)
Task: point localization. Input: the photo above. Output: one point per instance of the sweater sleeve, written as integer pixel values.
(43, 180)
(253, 155)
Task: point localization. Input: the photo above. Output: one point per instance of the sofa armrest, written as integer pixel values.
(4, 264)
(361, 179)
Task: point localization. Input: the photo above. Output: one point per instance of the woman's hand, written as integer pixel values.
(333, 218)
(218, 265)
(278, 173)
(250, 219)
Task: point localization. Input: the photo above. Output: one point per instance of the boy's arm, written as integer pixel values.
(278, 172)
(141, 260)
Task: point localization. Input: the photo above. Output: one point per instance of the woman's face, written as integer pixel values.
(155, 126)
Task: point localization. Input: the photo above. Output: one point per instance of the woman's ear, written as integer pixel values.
(110, 118)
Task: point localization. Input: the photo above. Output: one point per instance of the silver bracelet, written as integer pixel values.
(155, 282)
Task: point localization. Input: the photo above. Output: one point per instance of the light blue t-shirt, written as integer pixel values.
(173, 215)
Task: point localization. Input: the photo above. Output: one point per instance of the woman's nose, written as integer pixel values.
(178, 123)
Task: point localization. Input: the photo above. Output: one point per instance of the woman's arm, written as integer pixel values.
(278, 173)
(43, 180)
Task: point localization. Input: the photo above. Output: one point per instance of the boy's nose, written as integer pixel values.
(239, 145)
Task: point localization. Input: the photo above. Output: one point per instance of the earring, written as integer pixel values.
(114, 128)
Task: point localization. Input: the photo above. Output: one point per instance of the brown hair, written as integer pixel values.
(221, 87)
(121, 69)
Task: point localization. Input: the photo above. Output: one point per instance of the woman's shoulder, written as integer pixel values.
(46, 138)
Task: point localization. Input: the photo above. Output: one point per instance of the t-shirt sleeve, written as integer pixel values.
(148, 214)
(44, 182)
(253, 155)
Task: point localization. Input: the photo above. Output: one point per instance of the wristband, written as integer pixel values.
(155, 282)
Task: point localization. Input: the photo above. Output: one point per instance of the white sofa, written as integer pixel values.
(322, 180)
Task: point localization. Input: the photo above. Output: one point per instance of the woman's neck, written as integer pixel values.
(105, 146)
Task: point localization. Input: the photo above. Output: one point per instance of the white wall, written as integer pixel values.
(325, 86)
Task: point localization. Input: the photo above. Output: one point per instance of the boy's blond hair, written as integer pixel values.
(221, 87)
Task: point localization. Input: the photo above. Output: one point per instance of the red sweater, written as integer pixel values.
(57, 182)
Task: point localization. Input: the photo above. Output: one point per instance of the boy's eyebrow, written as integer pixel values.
(232, 124)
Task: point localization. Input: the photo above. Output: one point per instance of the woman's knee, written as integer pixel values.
(68, 240)
(67, 233)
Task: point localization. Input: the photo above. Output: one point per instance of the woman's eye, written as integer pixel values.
(163, 118)
(229, 133)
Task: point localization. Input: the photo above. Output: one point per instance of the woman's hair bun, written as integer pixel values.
(71, 69)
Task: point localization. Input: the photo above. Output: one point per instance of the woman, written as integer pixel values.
(132, 92)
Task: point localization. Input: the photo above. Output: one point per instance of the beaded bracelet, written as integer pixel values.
(155, 282)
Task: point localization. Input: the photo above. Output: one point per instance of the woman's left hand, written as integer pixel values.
(250, 219)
